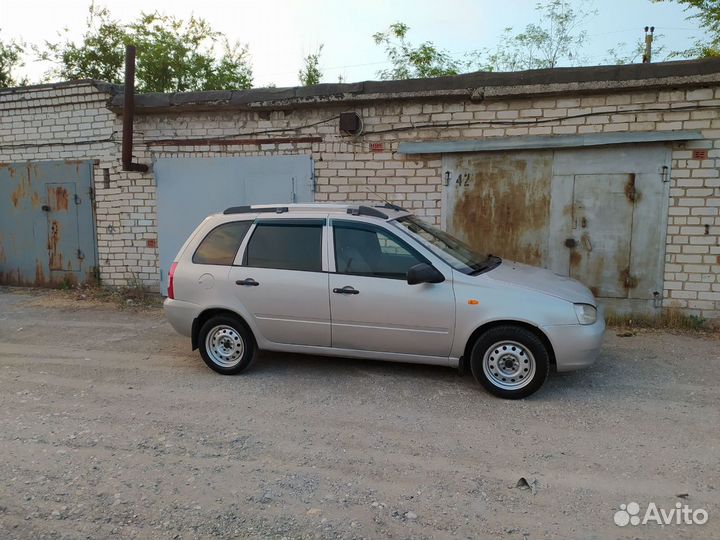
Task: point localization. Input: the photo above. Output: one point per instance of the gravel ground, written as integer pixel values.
(110, 425)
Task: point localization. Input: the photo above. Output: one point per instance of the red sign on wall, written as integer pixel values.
(377, 147)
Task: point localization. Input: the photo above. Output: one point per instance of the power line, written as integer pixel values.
(323, 68)
(537, 121)
(111, 138)
(638, 29)
(260, 132)
(682, 29)
(470, 123)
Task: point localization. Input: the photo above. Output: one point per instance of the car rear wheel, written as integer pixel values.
(226, 345)
(510, 361)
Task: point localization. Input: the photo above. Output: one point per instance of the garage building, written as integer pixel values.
(608, 174)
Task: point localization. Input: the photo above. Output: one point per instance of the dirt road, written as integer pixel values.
(110, 425)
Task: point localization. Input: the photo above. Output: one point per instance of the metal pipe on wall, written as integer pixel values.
(129, 113)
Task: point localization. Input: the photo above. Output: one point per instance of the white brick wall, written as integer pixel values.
(345, 166)
(55, 123)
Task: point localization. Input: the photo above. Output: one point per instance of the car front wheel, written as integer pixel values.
(226, 345)
(510, 361)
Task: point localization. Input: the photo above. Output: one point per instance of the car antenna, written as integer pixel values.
(383, 199)
(372, 191)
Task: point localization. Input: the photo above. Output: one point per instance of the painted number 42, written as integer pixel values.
(461, 180)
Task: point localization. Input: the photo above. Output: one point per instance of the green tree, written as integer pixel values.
(707, 14)
(176, 55)
(557, 39)
(173, 55)
(413, 61)
(99, 55)
(10, 59)
(310, 72)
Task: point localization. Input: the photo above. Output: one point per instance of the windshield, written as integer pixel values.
(451, 250)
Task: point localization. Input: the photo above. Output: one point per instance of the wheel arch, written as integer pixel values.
(464, 361)
(209, 313)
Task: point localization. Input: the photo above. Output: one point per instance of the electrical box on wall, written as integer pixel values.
(350, 122)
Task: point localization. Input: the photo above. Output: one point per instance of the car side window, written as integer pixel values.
(295, 245)
(366, 250)
(222, 243)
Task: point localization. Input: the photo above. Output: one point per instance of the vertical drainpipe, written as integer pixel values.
(129, 113)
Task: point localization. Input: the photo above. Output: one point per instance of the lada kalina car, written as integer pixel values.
(376, 283)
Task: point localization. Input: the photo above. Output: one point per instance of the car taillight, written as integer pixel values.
(171, 275)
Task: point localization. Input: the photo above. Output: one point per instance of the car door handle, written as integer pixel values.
(248, 282)
(347, 289)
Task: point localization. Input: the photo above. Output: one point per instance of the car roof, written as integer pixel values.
(385, 212)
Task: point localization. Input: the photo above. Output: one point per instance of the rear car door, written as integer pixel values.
(202, 278)
(281, 281)
(373, 307)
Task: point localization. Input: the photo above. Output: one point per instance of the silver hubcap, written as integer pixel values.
(509, 365)
(225, 346)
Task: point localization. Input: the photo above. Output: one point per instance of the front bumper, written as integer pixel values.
(181, 315)
(576, 346)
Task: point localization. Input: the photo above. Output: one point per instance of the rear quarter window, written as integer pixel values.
(221, 244)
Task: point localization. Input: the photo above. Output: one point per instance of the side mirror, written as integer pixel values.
(424, 273)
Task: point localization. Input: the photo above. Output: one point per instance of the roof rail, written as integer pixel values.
(366, 211)
(251, 210)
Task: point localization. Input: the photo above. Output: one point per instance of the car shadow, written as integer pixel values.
(557, 386)
(310, 365)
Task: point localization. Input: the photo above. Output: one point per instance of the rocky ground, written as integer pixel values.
(110, 425)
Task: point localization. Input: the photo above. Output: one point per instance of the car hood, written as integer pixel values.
(542, 280)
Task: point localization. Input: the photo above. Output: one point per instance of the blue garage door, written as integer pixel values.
(47, 228)
(189, 189)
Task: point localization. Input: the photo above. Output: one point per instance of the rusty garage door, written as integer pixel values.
(47, 230)
(500, 202)
(596, 214)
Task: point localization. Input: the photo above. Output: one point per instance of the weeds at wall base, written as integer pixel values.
(669, 319)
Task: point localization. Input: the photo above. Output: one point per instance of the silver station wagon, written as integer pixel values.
(374, 282)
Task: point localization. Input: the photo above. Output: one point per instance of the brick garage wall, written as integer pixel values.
(75, 119)
(126, 227)
(346, 169)
(65, 121)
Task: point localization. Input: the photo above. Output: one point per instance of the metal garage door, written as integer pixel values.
(189, 189)
(596, 214)
(47, 229)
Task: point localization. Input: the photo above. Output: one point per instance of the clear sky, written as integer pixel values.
(280, 32)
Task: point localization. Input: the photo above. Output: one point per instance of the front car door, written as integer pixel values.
(281, 281)
(373, 307)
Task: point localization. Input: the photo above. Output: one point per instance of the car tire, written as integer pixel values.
(226, 345)
(510, 361)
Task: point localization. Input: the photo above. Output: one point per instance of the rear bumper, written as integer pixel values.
(181, 315)
(576, 346)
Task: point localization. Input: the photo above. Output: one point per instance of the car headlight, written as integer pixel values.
(586, 314)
